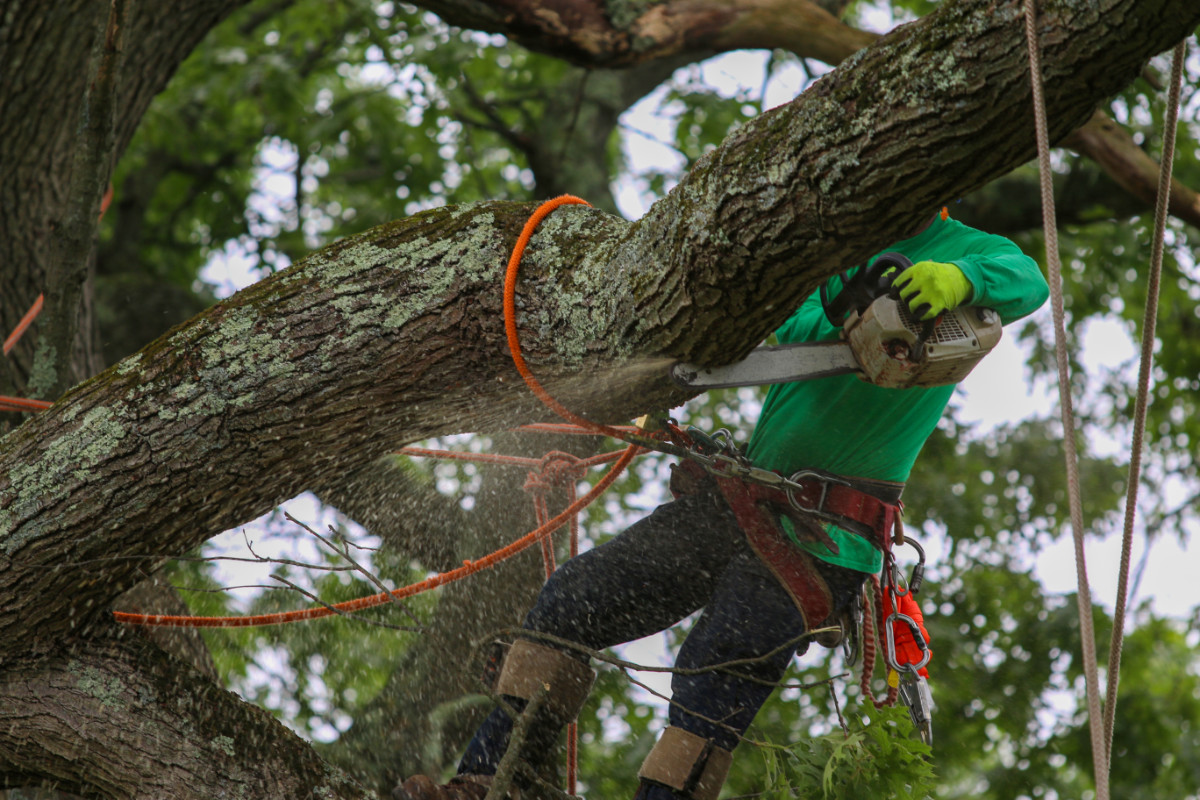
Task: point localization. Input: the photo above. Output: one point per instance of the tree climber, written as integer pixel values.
(691, 553)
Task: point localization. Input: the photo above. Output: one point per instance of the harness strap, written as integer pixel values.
(757, 508)
(824, 497)
(793, 567)
(852, 508)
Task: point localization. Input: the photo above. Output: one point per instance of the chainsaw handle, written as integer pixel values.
(835, 311)
(859, 291)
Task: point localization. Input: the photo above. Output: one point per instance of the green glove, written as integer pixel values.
(932, 287)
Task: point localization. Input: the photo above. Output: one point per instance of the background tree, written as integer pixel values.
(366, 112)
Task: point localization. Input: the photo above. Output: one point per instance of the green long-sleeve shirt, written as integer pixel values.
(850, 427)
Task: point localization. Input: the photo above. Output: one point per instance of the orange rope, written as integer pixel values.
(510, 316)
(22, 404)
(25, 322)
(442, 578)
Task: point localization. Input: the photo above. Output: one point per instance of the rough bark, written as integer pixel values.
(117, 717)
(396, 335)
(45, 48)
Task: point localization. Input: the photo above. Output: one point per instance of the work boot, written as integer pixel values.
(464, 787)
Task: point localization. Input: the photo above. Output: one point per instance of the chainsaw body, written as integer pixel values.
(895, 351)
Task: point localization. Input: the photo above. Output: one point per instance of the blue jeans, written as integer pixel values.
(688, 554)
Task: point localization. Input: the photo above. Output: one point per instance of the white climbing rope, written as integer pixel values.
(1101, 732)
(1149, 320)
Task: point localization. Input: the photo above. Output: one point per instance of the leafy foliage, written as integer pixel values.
(877, 757)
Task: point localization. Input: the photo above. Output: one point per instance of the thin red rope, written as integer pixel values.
(510, 316)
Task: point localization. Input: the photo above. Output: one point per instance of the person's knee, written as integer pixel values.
(560, 680)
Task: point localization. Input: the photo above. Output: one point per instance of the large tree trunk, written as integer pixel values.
(396, 335)
(45, 55)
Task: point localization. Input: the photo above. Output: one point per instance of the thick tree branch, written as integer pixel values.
(120, 719)
(396, 335)
(583, 31)
(591, 34)
(1107, 143)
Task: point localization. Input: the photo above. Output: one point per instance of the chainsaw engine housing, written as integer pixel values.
(892, 352)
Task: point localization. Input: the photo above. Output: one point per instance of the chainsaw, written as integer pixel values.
(880, 341)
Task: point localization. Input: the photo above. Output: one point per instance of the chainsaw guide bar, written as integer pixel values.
(766, 365)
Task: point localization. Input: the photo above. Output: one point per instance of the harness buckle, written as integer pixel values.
(824, 479)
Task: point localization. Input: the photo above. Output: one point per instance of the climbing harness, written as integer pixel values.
(816, 493)
(757, 497)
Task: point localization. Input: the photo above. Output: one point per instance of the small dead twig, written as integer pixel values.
(273, 560)
(370, 576)
(347, 614)
(837, 706)
(219, 589)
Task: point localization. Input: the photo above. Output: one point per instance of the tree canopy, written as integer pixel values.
(372, 163)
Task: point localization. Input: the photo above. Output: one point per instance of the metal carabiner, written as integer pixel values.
(889, 635)
(913, 585)
(721, 441)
